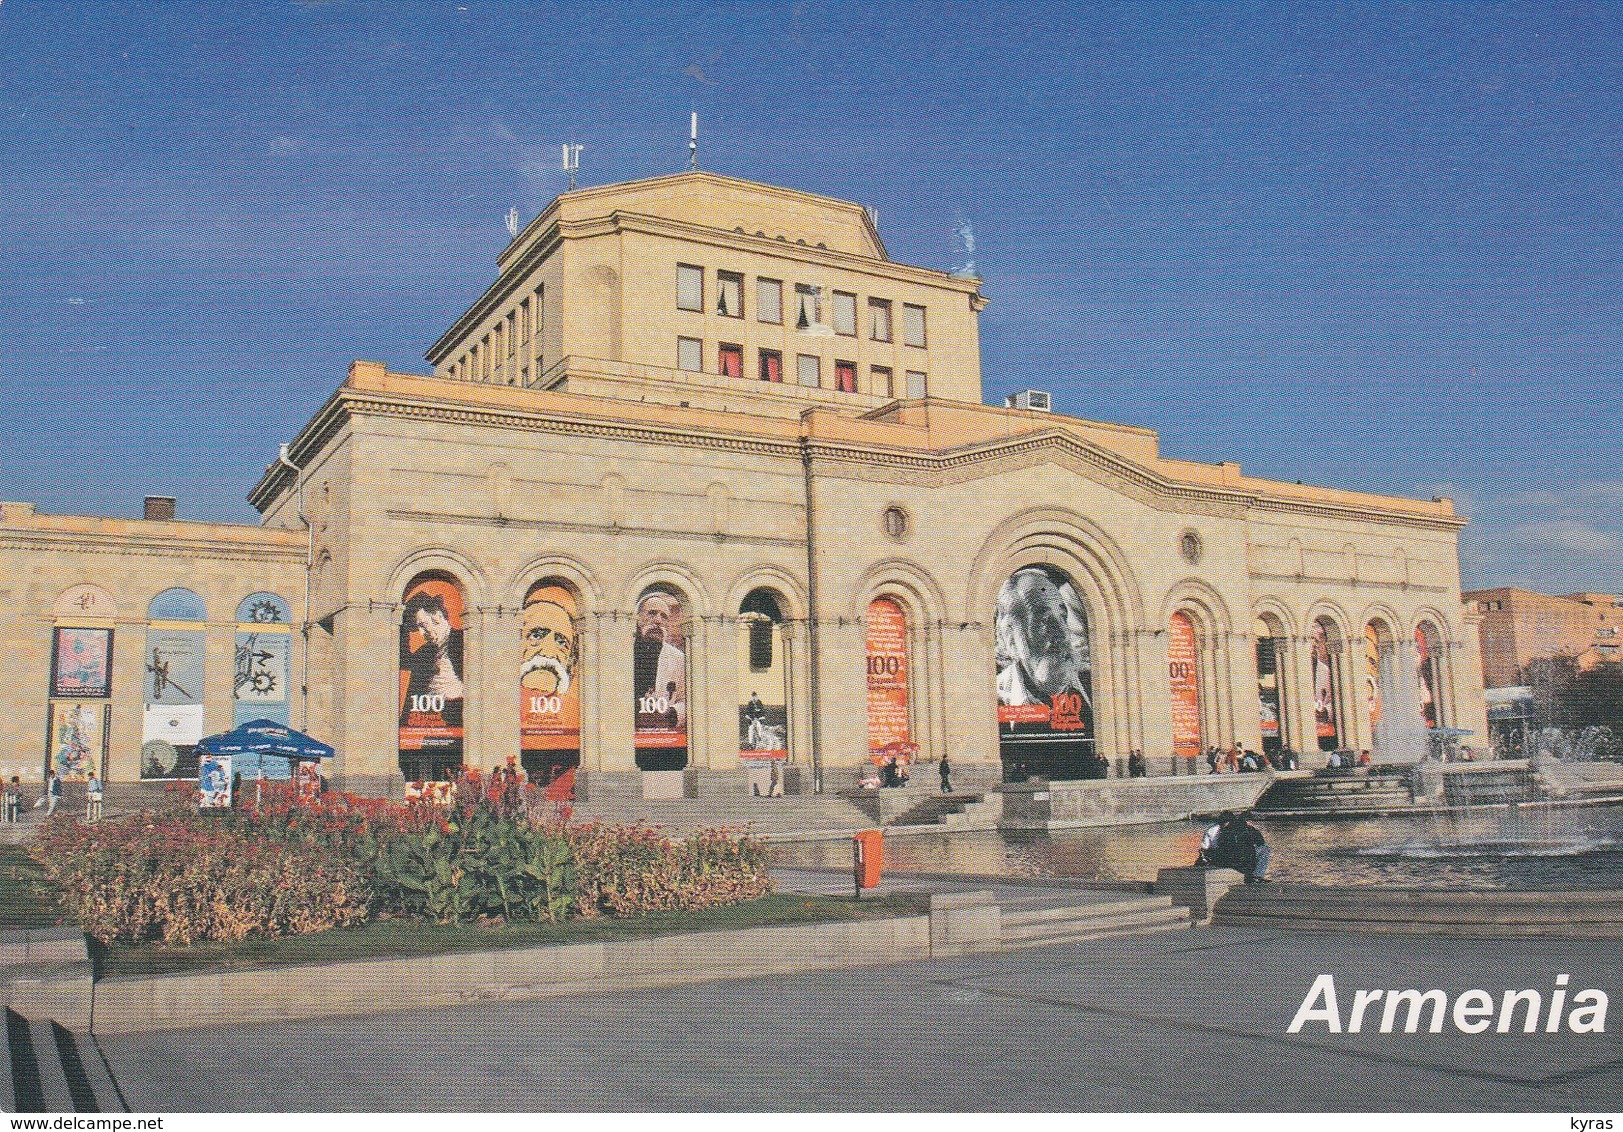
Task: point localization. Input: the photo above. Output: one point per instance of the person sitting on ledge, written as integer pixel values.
(1234, 843)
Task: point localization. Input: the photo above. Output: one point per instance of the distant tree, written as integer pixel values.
(1563, 696)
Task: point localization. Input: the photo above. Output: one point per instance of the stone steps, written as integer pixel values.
(1584, 914)
(1042, 920)
(49, 1068)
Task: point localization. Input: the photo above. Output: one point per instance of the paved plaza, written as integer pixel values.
(1185, 1021)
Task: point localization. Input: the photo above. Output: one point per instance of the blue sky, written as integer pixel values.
(1372, 246)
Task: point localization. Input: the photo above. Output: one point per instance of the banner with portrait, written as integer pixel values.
(1426, 677)
(1324, 688)
(214, 782)
(1372, 674)
(81, 663)
(1044, 675)
(889, 720)
(263, 661)
(549, 679)
(1183, 673)
(78, 738)
(763, 709)
(431, 692)
(660, 680)
(1268, 691)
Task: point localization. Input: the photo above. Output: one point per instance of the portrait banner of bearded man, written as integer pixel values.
(549, 645)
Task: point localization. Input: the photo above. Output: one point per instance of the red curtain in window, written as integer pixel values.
(771, 367)
(845, 377)
(732, 362)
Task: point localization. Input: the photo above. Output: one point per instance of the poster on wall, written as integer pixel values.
(1268, 693)
(549, 681)
(1044, 676)
(172, 698)
(1372, 675)
(262, 661)
(77, 735)
(763, 711)
(1182, 672)
(1324, 696)
(214, 782)
(660, 680)
(431, 693)
(81, 663)
(1426, 679)
(889, 724)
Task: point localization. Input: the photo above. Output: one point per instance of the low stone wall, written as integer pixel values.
(215, 998)
(1118, 801)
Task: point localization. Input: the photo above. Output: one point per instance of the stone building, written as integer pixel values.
(701, 490)
(1518, 626)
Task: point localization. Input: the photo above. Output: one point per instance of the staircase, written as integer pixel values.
(49, 1068)
(1337, 791)
(1305, 907)
(1041, 916)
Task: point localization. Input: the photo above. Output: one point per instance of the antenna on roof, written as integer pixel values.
(572, 162)
(512, 223)
(693, 141)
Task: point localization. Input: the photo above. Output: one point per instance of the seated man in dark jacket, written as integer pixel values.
(1234, 843)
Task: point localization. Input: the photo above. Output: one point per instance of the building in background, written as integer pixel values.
(1519, 626)
(704, 482)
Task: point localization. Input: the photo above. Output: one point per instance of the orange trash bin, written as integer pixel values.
(867, 857)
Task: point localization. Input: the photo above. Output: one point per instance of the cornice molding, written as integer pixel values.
(151, 546)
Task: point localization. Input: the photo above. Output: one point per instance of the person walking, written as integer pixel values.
(13, 801)
(53, 793)
(945, 768)
(93, 798)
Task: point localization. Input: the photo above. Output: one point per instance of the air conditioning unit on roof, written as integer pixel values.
(1032, 400)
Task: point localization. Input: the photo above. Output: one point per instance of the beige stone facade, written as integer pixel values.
(559, 439)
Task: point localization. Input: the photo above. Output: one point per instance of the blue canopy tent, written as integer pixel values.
(263, 744)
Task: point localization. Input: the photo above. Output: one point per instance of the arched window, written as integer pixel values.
(763, 683)
(1044, 677)
(660, 679)
(172, 695)
(549, 680)
(263, 658)
(1428, 644)
(432, 696)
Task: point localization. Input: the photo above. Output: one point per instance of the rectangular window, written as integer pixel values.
(729, 294)
(916, 384)
(880, 381)
(845, 377)
(912, 324)
(809, 373)
(730, 361)
(845, 313)
(808, 311)
(771, 365)
(484, 358)
(512, 334)
(879, 314)
(689, 354)
(689, 288)
(769, 301)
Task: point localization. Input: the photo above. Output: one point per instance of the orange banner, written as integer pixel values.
(549, 670)
(1182, 670)
(888, 722)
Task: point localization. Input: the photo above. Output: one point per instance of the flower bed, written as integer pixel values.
(289, 865)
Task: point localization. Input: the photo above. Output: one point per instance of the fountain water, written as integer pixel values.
(1401, 736)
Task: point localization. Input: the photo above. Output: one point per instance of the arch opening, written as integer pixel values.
(1325, 642)
(763, 690)
(1271, 700)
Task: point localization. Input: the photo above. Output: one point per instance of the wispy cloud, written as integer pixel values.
(1562, 539)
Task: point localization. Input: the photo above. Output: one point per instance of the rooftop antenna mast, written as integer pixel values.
(572, 162)
(693, 141)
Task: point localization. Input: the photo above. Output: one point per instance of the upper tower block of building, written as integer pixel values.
(709, 291)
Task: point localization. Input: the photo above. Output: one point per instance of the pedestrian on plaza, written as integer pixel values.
(53, 793)
(1135, 765)
(945, 769)
(13, 800)
(93, 798)
(1211, 758)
